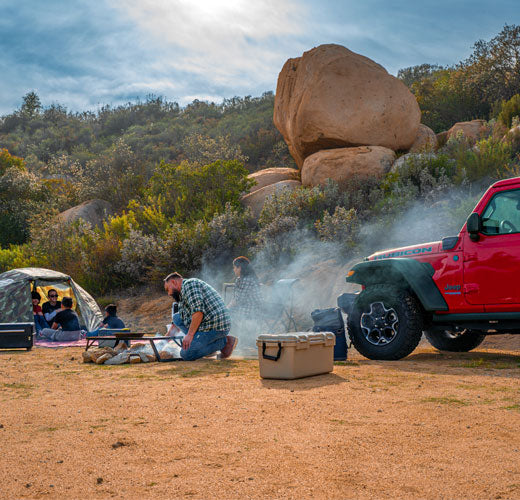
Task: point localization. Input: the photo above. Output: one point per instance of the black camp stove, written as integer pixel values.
(16, 335)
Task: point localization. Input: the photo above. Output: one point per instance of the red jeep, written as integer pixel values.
(457, 290)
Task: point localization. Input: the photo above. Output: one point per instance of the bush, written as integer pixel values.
(484, 162)
(229, 235)
(342, 227)
(86, 254)
(138, 256)
(279, 240)
(509, 110)
(18, 256)
(181, 248)
(421, 173)
(22, 196)
(191, 192)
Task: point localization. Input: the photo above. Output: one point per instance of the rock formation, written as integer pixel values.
(269, 176)
(332, 97)
(344, 164)
(426, 139)
(92, 211)
(472, 130)
(255, 200)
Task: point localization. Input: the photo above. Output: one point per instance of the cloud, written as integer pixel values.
(232, 43)
(84, 54)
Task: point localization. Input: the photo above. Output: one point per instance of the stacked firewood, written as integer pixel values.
(121, 354)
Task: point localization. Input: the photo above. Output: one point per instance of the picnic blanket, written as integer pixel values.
(54, 345)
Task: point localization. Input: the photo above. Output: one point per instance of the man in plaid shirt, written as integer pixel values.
(202, 308)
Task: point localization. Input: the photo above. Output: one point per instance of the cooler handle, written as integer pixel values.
(272, 358)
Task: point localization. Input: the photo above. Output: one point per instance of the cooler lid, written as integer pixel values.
(301, 339)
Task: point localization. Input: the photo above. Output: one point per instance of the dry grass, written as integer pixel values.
(423, 427)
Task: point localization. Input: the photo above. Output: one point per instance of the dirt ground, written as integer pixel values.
(430, 426)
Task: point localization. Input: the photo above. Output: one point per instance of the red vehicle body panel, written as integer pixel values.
(473, 276)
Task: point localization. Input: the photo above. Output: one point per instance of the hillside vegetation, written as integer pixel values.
(175, 177)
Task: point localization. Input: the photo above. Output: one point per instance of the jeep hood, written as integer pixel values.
(406, 252)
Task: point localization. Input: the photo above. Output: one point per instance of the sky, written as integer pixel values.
(83, 54)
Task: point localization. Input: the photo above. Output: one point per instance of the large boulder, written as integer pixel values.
(255, 201)
(472, 130)
(332, 97)
(92, 211)
(346, 164)
(269, 176)
(425, 140)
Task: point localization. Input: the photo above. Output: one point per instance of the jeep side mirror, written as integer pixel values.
(474, 226)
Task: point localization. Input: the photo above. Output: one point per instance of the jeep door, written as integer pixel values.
(492, 264)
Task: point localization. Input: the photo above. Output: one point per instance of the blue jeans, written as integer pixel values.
(203, 343)
(40, 323)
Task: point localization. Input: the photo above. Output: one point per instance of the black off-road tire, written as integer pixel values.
(446, 340)
(408, 330)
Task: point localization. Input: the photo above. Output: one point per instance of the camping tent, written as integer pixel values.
(15, 295)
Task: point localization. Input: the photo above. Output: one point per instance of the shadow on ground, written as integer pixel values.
(304, 384)
(492, 364)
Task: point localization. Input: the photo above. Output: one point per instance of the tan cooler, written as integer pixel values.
(295, 355)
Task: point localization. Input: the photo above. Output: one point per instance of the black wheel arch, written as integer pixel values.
(408, 274)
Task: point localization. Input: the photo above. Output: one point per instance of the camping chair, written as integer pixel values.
(278, 314)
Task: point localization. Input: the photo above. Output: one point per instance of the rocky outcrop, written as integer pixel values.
(93, 211)
(255, 201)
(346, 164)
(332, 97)
(472, 130)
(425, 140)
(269, 176)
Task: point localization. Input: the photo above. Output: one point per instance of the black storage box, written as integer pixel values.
(16, 335)
(331, 320)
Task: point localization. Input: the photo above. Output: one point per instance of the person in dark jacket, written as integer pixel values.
(111, 321)
(51, 307)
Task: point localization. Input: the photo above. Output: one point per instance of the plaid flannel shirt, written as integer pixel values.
(197, 295)
(247, 296)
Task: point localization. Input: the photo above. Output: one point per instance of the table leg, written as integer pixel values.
(155, 351)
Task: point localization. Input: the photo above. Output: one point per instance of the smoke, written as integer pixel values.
(311, 270)
(320, 267)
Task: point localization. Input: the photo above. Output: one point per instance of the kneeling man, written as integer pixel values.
(202, 317)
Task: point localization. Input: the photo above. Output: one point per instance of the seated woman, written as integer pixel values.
(39, 320)
(247, 300)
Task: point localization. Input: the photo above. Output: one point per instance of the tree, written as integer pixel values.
(31, 105)
(492, 71)
(414, 74)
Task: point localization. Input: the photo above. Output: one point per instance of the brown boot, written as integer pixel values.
(231, 343)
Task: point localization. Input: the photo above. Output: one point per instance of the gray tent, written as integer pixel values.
(15, 295)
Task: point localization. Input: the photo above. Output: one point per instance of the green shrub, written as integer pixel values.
(229, 234)
(509, 110)
(182, 250)
(341, 227)
(486, 161)
(138, 256)
(22, 196)
(279, 240)
(18, 256)
(191, 192)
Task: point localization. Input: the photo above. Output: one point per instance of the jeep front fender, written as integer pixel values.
(406, 273)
